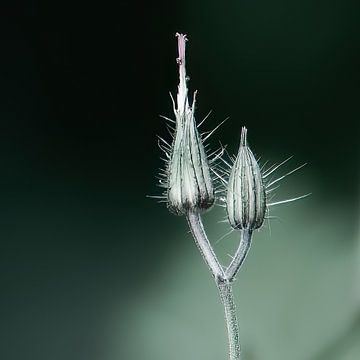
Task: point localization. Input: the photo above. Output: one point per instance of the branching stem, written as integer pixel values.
(204, 246)
(240, 255)
(223, 279)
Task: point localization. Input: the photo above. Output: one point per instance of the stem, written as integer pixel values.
(204, 245)
(223, 279)
(240, 255)
(227, 299)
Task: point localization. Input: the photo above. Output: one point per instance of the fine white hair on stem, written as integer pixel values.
(224, 236)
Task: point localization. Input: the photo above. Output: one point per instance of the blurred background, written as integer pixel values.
(92, 269)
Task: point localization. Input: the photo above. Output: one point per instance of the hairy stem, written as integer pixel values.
(204, 245)
(223, 279)
(240, 255)
(227, 299)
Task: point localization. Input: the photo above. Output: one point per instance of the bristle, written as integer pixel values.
(168, 119)
(204, 119)
(268, 191)
(212, 131)
(289, 200)
(284, 176)
(273, 168)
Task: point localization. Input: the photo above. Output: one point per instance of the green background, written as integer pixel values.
(90, 268)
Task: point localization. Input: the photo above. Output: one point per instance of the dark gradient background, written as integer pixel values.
(90, 268)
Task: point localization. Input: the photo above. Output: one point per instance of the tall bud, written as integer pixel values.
(246, 198)
(189, 182)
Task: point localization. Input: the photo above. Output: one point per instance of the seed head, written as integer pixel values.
(246, 196)
(189, 184)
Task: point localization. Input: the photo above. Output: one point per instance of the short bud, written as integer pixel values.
(246, 197)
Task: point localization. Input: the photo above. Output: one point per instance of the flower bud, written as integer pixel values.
(189, 184)
(246, 200)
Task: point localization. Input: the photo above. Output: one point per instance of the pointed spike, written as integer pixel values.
(204, 119)
(156, 197)
(272, 168)
(284, 176)
(162, 186)
(222, 221)
(212, 153)
(171, 132)
(219, 177)
(164, 141)
(269, 168)
(168, 119)
(216, 155)
(272, 217)
(173, 102)
(226, 163)
(224, 236)
(289, 200)
(263, 165)
(271, 190)
(211, 132)
(163, 148)
(194, 101)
